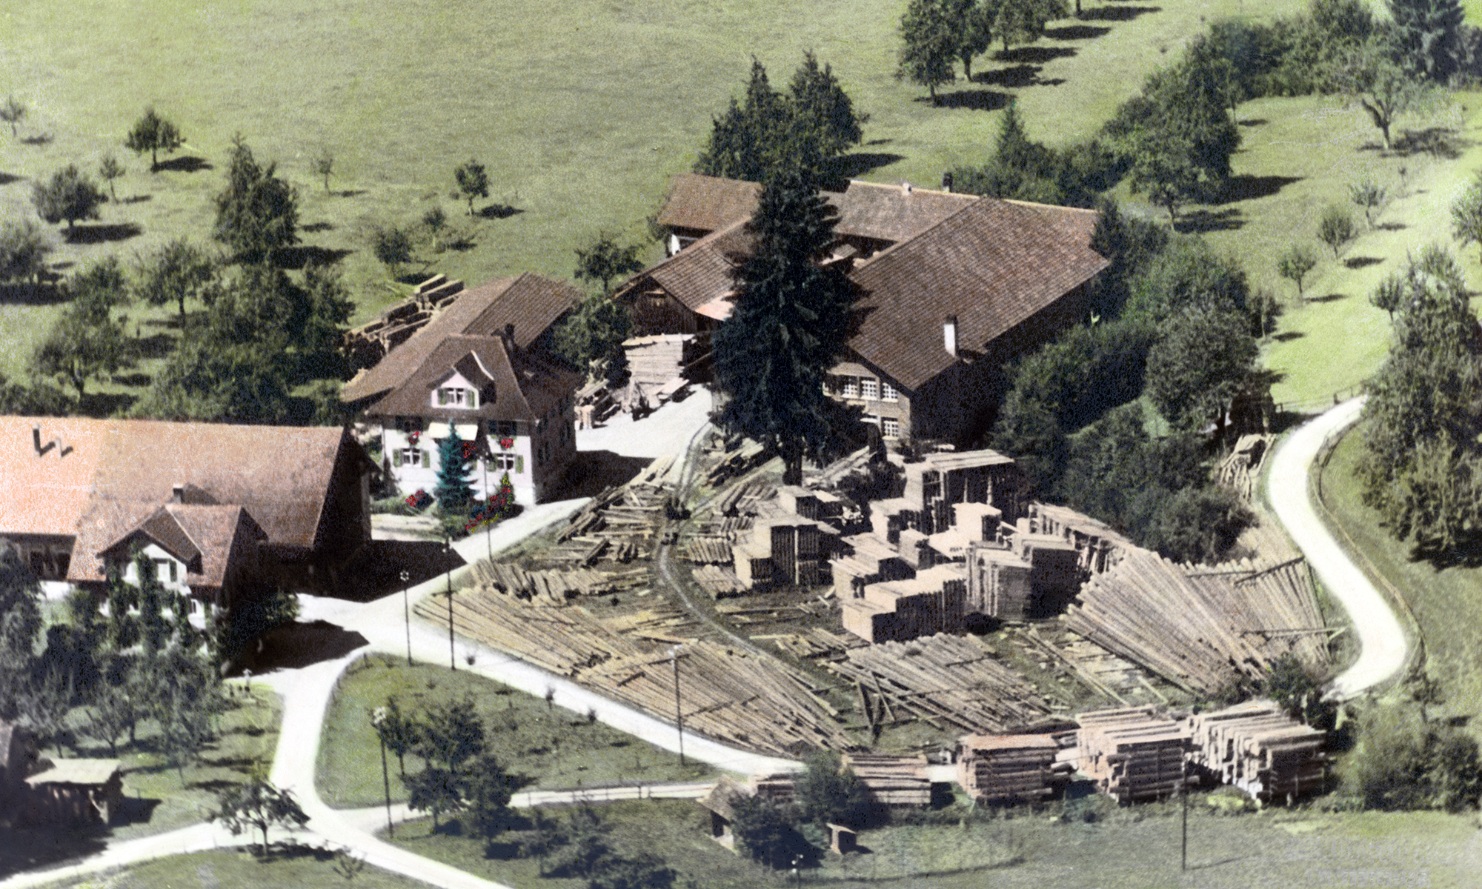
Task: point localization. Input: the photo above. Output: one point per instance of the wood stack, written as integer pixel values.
(736, 463)
(812, 644)
(556, 586)
(1009, 768)
(949, 682)
(1241, 470)
(718, 582)
(706, 550)
(1134, 753)
(367, 344)
(894, 781)
(1098, 546)
(1256, 747)
(655, 360)
(742, 499)
(1200, 629)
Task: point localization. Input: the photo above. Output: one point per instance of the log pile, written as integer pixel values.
(1133, 753)
(813, 644)
(1256, 747)
(555, 586)
(367, 344)
(894, 781)
(742, 499)
(736, 463)
(718, 582)
(945, 681)
(1010, 768)
(706, 550)
(1200, 629)
(726, 694)
(1241, 470)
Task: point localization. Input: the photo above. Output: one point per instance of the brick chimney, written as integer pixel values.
(949, 335)
(947, 181)
(177, 493)
(509, 337)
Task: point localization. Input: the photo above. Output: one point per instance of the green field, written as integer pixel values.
(1126, 849)
(1447, 602)
(555, 748)
(581, 110)
(211, 870)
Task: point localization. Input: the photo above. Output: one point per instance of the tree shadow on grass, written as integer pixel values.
(136, 199)
(1466, 554)
(105, 404)
(975, 100)
(1013, 77)
(857, 163)
(1287, 336)
(102, 233)
(1253, 122)
(1326, 298)
(7, 178)
(1118, 13)
(1442, 142)
(1034, 55)
(1076, 32)
(1249, 188)
(302, 255)
(499, 211)
(315, 227)
(188, 163)
(135, 379)
(1228, 219)
(351, 192)
(29, 294)
(38, 139)
(1391, 226)
(1361, 262)
(155, 345)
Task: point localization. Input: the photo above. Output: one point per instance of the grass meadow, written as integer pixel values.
(303, 869)
(1123, 849)
(555, 748)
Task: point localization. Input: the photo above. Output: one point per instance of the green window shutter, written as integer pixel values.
(519, 464)
(396, 458)
(426, 459)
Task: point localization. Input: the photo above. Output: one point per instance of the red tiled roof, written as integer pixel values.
(531, 303)
(992, 264)
(525, 386)
(46, 492)
(203, 536)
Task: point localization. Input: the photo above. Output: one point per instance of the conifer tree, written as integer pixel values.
(453, 491)
(789, 326)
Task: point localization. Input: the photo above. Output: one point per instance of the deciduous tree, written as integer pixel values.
(929, 44)
(1380, 86)
(1368, 196)
(1466, 213)
(591, 338)
(257, 212)
(69, 194)
(13, 111)
(323, 166)
(605, 260)
(392, 246)
(827, 792)
(153, 134)
(1202, 357)
(257, 804)
(1023, 21)
(23, 250)
(1428, 37)
(473, 181)
(1294, 264)
(177, 272)
(1336, 228)
(111, 170)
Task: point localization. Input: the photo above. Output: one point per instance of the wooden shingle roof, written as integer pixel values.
(992, 265)
(707, 203)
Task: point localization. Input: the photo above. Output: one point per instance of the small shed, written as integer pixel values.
(74, 791)
(842, 839)
(720, 802)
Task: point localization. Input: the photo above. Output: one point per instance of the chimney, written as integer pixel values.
(36, 437)
(509, 337)
(905, 189)
(947, 181)
(177, 493)
(949, 335)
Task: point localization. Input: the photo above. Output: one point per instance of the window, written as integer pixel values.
(850, 388)
(889, 392)
(456, 396)
(506, 462)
(505, 429)
(890, 427)
(408, 424)
(163, 567)
(411, 457)
(869, 387)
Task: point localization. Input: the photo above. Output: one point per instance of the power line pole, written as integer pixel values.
(406, 610)
(678, 714)
(448, 554)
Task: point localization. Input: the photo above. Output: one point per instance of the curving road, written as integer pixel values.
(1383, 648)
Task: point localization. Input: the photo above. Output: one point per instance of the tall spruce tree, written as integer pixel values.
(453, 491)
(789, 326)
(257, 213)
(1428, 37)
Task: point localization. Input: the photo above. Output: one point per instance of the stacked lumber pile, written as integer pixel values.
(662, 623)
(1200, 630)
(812, 644)
(655, 360)
(1241, 470)
(706, 550)
(726, 694)
(780, 788)
(1256, 747)
(555, 586)
(1098, 546)
(946, 681)
(743, 499)
(718, 582)
(367, 344)
(736, 463)
(1010, 768)
(1133, 753)
(894, 781)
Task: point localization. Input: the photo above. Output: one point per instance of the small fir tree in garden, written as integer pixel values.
(453, 491)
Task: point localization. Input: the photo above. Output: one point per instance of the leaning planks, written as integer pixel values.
(943, 679)
(1200, 629)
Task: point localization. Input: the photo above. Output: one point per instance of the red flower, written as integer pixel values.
(507, 442)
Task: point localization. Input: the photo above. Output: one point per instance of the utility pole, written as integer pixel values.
(678, 714)
(1184, 792)
(406, 610)
(448, 554)
(378, 718)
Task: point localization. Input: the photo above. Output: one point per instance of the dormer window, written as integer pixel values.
(457, 396)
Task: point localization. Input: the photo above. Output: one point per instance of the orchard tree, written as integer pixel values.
(23, 251)
(1466, 213)
(1163, 170)
(930, 43)
(323, 166)
(435, 221)
(392, 246)
(175, 273)
(257, 213)
(257, 804)
(153, 134)
(1023, 21)
(69, 194)
(86, 340)
(1294, 264)
(473, 181)
(1368, 196)
(789, 326)
(1336, 228)
(975, 30)
(1380, 86)
(13, 111)
(605, 260)
(110, 169)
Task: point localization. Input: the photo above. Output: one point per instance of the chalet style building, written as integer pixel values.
(219, 508)
(950, 288)
(482, 368)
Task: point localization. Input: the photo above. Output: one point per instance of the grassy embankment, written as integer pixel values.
(554, 747)
(582, 112)
(210, 870)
